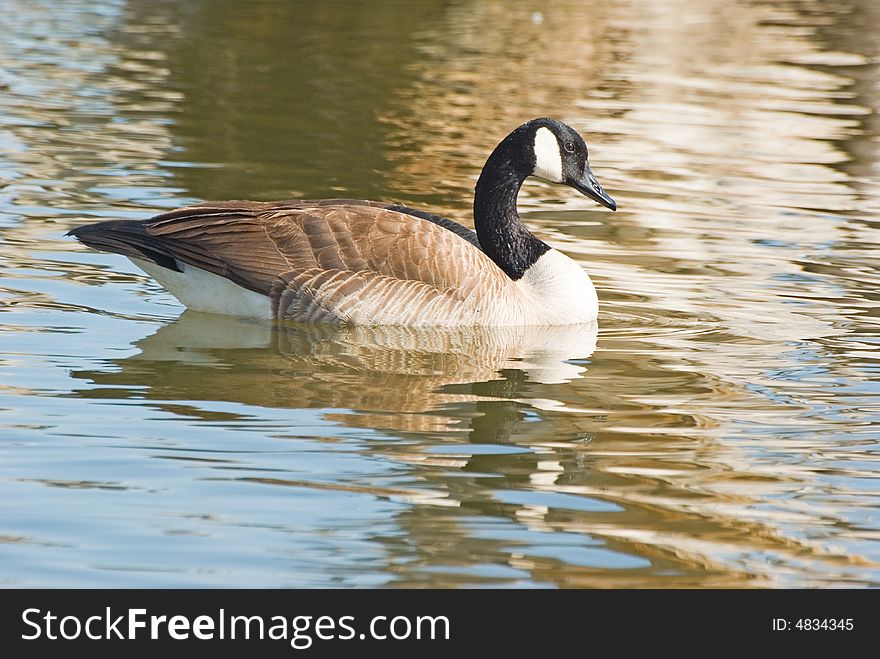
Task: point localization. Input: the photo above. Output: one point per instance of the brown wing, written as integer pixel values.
(314, 256)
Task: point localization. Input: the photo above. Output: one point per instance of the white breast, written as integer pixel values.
(557, 291)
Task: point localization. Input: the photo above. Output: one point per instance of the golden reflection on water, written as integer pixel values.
(718, 430)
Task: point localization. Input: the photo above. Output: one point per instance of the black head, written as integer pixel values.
(555, 152)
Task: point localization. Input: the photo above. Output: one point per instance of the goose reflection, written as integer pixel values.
(385, 378)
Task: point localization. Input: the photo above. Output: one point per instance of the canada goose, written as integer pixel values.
(366, 262)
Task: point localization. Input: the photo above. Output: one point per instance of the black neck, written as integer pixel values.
(503, 236)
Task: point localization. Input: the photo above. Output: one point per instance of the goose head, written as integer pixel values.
(548, 149)
(555, 152)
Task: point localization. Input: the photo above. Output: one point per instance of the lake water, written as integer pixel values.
(719, 428)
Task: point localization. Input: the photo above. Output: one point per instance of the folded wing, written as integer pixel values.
(333, 260)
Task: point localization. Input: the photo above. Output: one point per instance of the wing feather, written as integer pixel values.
(343, 260)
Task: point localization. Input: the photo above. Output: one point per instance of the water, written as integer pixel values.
(720, 428)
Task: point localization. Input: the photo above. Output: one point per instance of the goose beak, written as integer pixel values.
(589, 186)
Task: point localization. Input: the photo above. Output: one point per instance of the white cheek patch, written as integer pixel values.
(548, 160)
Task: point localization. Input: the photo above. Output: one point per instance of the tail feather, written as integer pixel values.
(126, 237)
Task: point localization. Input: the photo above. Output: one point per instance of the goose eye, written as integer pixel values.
(569, 147)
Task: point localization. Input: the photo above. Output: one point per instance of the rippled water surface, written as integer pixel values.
(720, 427)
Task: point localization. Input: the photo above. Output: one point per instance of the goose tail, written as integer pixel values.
(126, 237)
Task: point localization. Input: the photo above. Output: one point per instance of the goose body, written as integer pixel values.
(371, 263)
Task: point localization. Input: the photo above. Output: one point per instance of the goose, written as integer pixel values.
(372, 263)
